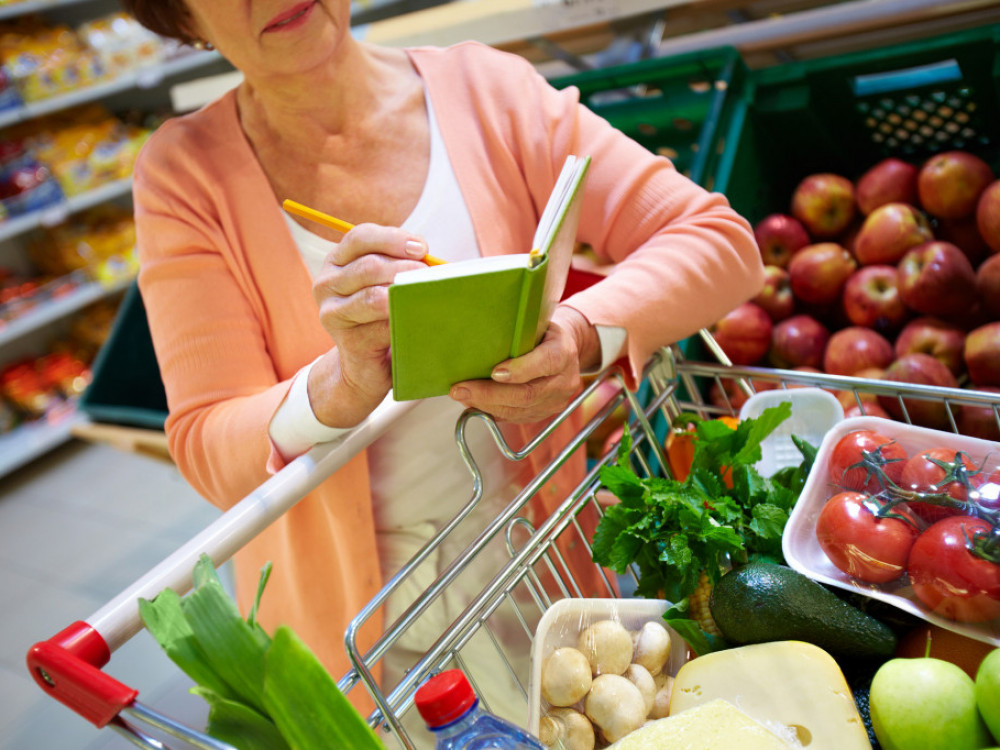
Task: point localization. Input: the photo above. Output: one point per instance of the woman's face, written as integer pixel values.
(267, 37)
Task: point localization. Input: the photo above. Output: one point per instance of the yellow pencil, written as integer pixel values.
(334, 223)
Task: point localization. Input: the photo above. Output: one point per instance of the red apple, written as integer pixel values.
(871, 298)
(866, 410)
(798, 341)
(978, 420)
(856, 348)
(937, 279)
(988, 216)
(890, 181)
(982, 355)
(888, 232)
(818, 272)
(779, 237)
(776, 296)
(935, 337)
(744, 334)
(964, 234)
(851, 397)
(988, 286)
(950, 183)
(920, 369)
(824, 203)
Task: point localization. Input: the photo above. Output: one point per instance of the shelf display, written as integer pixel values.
(67, 148)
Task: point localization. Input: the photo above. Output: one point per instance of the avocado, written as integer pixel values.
(761, 602)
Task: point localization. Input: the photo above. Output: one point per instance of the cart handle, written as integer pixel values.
(68, 667)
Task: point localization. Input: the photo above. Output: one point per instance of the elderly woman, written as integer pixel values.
(272, 336)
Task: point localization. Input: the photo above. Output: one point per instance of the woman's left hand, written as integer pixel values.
(539, 384)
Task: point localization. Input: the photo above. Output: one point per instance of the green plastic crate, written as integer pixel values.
(127, 388)
(844, 113)
(678, 107)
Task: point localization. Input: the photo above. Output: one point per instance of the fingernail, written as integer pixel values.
(416, 249)
(501, 374)
(460, 394)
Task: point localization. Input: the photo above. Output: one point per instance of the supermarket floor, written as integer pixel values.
(76, 527)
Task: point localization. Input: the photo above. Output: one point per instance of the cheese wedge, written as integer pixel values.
(781, 684)
(716, 725)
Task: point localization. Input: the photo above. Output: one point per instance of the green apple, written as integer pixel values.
(926, 704)
(988, 691)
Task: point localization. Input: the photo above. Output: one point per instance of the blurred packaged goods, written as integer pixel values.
(100, 240)
(83, 147)
(43, 60)
(46, 385)
(121, 43)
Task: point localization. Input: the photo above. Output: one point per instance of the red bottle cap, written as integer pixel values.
(444, 698)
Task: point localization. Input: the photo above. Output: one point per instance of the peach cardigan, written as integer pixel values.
(233, 319)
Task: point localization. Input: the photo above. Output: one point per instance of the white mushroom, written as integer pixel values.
(662, 679)
(566, 677)
(566, 729)
(607, 646)
(652, 647)
(615, 705)
(661, 701)
(639, 676)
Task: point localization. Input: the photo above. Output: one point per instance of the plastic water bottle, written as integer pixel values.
(452, 712)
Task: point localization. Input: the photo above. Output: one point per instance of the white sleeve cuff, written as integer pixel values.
(294, 428)
(612, 340)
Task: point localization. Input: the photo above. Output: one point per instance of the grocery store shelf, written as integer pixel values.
(34, 439)
(59, 212)
(143, 78)
(497, 22)
(14, 10)
(51, 310)
(822, 23)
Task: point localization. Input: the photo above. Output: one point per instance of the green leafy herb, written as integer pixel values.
(672, 531)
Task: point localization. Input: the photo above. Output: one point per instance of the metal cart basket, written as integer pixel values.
(490, 631)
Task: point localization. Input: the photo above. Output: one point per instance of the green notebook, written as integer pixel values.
(457, 321)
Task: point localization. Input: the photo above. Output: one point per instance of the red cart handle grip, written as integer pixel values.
(68, 667)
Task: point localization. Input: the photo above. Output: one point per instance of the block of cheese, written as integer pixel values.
(716, 725)
(785, 684)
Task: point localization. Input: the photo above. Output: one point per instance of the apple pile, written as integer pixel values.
(895, 275)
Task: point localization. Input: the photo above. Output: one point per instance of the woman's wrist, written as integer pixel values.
(333, 400)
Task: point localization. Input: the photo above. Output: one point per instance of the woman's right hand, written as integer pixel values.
(352, 292)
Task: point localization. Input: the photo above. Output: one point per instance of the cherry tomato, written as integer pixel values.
(949, 578)
(860, 543)
(939, 471)
(846, 466)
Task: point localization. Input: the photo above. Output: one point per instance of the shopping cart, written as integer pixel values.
(534, 574)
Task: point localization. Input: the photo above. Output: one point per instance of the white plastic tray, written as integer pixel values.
(803, 553)
(562, 623)
(814, 413)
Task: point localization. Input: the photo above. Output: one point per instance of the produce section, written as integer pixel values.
(844, 596)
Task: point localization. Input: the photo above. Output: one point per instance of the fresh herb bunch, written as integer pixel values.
(723, 514)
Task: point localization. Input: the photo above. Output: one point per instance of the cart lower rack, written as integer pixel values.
(489, 632)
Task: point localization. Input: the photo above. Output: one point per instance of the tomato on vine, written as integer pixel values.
(862, 543)
(942, 471)
(863, 460)
(954, 568)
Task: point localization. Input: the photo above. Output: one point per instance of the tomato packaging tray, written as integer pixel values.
(897, 526)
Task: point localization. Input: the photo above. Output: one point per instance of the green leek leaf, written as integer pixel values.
(305, 702)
